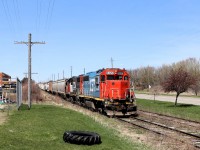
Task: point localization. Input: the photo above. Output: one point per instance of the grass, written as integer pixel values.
(43, 126)
(186, 111)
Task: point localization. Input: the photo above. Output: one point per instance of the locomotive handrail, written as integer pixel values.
(129, 91)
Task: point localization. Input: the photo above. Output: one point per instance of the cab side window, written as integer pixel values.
(125, 77)
(103, 78)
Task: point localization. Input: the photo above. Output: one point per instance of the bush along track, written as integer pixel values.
(82, 137)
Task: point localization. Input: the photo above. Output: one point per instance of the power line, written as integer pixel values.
(6, 10)
(36, 20)
(10, 16)
(52, 8)
(40, 12)
(17, 4)
(16, 13)
(38, 15)
(49, 15)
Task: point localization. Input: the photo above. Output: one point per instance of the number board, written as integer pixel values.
(120, 73)
(110, 72)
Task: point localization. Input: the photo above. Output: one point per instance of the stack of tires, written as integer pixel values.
(82, 137)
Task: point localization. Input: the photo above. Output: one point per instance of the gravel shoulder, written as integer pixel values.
(181, 99)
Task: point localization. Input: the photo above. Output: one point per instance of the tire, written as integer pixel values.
(82, 137)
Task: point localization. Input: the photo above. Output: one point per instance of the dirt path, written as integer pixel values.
(181, 99)
(3, 117)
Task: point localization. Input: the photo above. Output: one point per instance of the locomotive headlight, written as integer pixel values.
(131, 100)
(106, 102)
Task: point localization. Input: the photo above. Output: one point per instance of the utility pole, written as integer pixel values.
(29, 44)
(27, 74)
(71, 71)
(111, 62)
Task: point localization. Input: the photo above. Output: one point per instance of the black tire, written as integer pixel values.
(82, 137)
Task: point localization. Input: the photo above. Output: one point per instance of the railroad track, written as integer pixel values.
(171, 117)
(161, 129)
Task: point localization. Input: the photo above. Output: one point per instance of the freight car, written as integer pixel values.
(105, 90)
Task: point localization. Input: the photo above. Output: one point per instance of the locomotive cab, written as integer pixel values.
(116, 91)
(115, 85)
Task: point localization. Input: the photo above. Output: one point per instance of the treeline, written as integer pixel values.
(154, 78)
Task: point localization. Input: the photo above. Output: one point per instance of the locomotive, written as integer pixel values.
(105, 90)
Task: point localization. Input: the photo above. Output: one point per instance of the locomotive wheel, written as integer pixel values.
(71, 99)
(82, 137)
(78, 100)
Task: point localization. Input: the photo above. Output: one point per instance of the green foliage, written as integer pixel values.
(43, 126)
(186, 111)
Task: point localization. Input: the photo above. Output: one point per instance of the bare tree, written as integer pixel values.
(144, 76)
(196, 88)
(192, 65)
(179, 80)
(163, 73)
(36, 95)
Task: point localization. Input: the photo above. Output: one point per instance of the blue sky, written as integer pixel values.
(87, 33)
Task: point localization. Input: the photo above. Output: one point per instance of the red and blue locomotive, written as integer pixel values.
(106, 90)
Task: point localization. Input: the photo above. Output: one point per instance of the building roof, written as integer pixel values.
(4, 74)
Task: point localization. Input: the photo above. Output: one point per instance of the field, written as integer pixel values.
(43, 126)
(181, 110)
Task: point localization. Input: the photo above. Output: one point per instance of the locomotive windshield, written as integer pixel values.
(110, 77)
(116, 77)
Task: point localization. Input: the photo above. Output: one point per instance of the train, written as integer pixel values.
(107, 90)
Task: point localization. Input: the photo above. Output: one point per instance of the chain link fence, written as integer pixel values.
(19, 93)
(10, 93)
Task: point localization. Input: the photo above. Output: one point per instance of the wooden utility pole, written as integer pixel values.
(71, 71)
(27, 74)
(29, 44)
(111, 62)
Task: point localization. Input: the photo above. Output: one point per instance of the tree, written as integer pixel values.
(35, 91)
(192, 65)
(179, 80)
(163, 73)
(143, 77)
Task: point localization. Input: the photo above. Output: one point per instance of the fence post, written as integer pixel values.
(19, 93)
